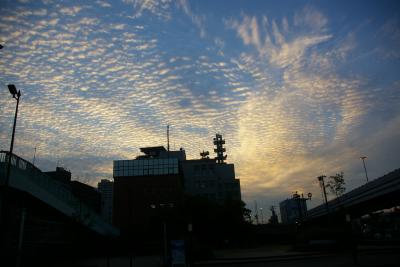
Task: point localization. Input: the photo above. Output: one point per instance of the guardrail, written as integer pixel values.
(383, 185)
(58, 192)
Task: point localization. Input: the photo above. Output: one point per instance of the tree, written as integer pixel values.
(336, 184)
(215, 222)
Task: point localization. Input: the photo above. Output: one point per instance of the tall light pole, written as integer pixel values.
(16, 94)
(262, 216)
(322, 184)
(365, 169)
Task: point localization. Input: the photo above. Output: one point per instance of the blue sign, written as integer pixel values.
(178, 252)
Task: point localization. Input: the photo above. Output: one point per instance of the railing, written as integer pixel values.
(58, 190)
(388, 182)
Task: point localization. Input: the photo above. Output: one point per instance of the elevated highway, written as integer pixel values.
(25, 177)
(378, 194)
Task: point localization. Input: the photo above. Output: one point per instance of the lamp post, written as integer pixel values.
(262, 216)
(16, 94)
(365, 169)
(322, 184)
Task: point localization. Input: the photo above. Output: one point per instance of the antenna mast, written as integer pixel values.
(168, 137)
(34, 157)
(219, 143)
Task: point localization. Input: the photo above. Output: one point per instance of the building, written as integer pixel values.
(211, 178)
(144, 185)
(87, 194)
(106, 189)
(293, 209)
(157, 181)
(60, 175)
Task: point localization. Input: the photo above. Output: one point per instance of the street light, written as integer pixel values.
(322, 184)
(16, 94)
(365, 169)
(262, 216)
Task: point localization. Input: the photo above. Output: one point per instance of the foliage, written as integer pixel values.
(216, 222)
(336, 184)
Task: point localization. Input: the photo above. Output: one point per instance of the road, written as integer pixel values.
(367, 258)
(380, 258)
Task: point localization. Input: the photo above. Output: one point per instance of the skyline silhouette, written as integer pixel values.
(298, 89)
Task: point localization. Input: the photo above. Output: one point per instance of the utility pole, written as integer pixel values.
(262, 216)
(365, 169)
(256, 211)
(322, 184)
(168, 138)
(34, 157)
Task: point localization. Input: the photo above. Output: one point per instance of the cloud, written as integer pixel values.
(158, 8)
(310, 18)
(199, 21)
(389, 34)
(300, 112)
(103, 3)
(280, 51)
(70, 11)
(96, 88)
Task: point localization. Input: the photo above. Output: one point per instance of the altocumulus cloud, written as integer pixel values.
(101, 79)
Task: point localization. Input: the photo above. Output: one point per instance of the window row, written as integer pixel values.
(145, 162)
(143, 172)
(145, 168)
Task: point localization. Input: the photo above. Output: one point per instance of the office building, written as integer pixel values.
(106, 189)
(61, 175)
(85, 193)
(293, 209)
(144, 185)
(213, 179)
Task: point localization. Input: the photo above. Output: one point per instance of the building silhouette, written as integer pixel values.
(85, 193)
(106, 189)
(60, 174)
(153, 185)
(144, 185)
(210, 179)
(293, 209)
(213, 179)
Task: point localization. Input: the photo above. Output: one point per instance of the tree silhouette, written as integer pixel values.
(336, 184)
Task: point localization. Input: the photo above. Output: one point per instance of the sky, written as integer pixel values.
(297, 88)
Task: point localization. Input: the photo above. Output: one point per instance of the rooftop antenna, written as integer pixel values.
(219, 143)
(205, 154)
(168, 138)
(34, 157)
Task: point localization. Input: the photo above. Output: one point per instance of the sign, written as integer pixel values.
(178, 252)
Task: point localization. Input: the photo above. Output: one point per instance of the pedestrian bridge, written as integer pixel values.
(26, 177)
(378, 194)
